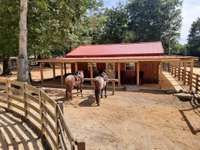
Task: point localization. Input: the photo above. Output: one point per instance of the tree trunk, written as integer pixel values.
(6, 69)
(23, 73)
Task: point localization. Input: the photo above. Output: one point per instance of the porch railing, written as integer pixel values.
(182, 74)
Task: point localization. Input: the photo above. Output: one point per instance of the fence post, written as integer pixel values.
(42, 118)
(197, 83)
(80, 145)
(191, 74)
(179, 71)
(57, 127)
(8, 92)
(25, 100)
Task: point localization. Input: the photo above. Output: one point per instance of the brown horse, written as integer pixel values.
(74, 81)
(100, 83)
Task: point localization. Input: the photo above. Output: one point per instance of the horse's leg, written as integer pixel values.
(77, 89)
(106, 91)
(66, 94)
(81, 90)
(101, 93)
(71, 95)
(97, 96)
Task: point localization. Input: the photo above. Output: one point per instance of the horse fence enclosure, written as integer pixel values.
(188, 78)
(42, 113)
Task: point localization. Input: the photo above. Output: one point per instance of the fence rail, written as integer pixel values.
(40, 111)
(188, 78)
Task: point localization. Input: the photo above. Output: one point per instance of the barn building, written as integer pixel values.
(132, 63)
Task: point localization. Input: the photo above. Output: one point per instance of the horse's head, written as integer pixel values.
(80, 74)
(105, 76)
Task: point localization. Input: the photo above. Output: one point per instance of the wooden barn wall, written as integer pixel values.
(151, 71)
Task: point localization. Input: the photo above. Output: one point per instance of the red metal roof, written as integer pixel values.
(109, 50)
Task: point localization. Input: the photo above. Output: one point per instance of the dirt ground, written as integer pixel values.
(131, 120)
(134, 121)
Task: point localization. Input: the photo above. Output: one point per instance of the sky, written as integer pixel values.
(190, 13)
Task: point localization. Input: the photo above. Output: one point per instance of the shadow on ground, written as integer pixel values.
(88, 102)
(195, 109)
(15, 134)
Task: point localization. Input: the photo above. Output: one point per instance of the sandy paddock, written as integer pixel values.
(133, 121)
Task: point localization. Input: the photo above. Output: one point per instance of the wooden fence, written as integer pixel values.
(41, 112)
(188, 78)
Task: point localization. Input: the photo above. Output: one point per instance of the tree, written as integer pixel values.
(23, 73)
(194, 39)
(9, 31)
(115, 25)
(155, 20)
(52, 26)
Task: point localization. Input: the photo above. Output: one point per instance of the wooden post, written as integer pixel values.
(197, 83)
(25, 100)
(80, 145)
(159, 73)
(62, 78)
(8, 92)
(57, 127)
(175, 70)
(54, 71)
(65, 68)
(41, 73)
(179, 71)
(76, 67)
(91, 72)
(113, 87)
(119, 74)
(184, 76)
(138, 73)
(191, 73)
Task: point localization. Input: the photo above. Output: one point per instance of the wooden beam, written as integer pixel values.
(119, 74)
(62, 77)
(41, 73)
(76, 67)
(54, 71)
(138, 73)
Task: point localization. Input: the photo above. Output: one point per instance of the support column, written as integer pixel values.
(76, 67)
(65, 68)
(91, 72)
(41, 73)
(138, 73)
(62, 77)
(191, 73)
(159, 74)
(54, 71)
(119, 74)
